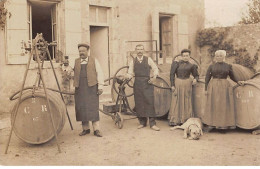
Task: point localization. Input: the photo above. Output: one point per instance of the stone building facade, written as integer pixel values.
(113, 28)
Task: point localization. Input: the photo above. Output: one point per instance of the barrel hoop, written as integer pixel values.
(248, 83)
(258, 73)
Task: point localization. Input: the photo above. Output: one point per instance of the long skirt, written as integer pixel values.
(181, 106)
(219, 112)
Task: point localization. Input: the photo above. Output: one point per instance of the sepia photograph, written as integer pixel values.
(129, 83)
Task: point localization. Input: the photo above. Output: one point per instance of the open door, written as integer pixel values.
(99, 47)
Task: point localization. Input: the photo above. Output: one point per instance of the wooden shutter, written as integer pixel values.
(167, 38)
(54, 29)
(17, 30)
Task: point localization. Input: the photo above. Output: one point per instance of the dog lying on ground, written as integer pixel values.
(192, 128)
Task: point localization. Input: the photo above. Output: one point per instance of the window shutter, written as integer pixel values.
(54, 31)
(183, 32)
(17, 30)
(167, 38)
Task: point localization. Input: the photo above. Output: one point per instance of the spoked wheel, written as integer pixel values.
(119, 121)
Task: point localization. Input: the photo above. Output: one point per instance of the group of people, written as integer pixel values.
(88, 82)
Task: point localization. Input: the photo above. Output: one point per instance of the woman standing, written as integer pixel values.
(220, 103)
(181, 106)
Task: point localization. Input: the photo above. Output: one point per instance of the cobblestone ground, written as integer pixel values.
(132, 146)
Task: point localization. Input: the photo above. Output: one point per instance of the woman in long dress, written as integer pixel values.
(219, 112)
(181, 105)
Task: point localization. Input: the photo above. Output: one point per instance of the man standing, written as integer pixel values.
(88, 83)
(143, 90)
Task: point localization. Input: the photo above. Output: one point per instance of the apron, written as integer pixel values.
(86, 99)
(143, 92)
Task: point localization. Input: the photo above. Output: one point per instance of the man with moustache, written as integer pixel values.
(143, 90)
(88, 83)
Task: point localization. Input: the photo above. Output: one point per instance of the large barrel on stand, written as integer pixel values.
(247, 99)
(33, 121)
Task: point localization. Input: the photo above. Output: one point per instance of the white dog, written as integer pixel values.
(192, 128)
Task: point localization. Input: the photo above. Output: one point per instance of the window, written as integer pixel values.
(98, 15)
(166, 36)
(30, 17)
(43, 16)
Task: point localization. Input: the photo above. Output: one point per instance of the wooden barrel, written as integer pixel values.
(241, 73)
(33, 122)
(247, 99)
(199, 98)
(162, 97)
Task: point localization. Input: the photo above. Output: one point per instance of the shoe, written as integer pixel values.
(97, 133)
(154, 127)
(84, 132)
(140, 126)
(172, 124)
(207, 129)
(222, 131)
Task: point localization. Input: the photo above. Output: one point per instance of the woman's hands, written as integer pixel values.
(241, 83)
(194, 82)
(173, 88)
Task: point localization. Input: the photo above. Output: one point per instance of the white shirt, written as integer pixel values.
(151, 63)
(100, 75)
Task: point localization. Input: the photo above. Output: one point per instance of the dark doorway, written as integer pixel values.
(42, 22)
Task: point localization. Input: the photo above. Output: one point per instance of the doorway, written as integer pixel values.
(166, 36)
(99, 45)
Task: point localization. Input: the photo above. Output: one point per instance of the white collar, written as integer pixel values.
(83, 61)
(140, 59)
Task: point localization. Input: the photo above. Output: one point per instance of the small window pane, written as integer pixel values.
(102, 15)
(92, 14)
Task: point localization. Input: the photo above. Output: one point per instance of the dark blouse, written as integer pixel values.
(219, 70)
(183, 70)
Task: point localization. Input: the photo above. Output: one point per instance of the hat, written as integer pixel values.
(185, 50)
(87, 45)
(222, 53)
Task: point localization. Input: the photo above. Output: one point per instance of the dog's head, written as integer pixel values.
(195, 132)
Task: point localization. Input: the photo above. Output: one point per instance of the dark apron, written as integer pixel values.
(143, 92)
(86, 99)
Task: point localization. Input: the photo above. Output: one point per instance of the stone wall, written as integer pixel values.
(242, 37)
(128, 20)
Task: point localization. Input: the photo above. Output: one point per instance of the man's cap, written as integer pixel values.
(87, 45)
(185, 50)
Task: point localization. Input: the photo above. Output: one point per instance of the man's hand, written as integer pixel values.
(152, 80)
(100, 91)
(194, 82)
(241, 83)
(128, 76)
(173, 88)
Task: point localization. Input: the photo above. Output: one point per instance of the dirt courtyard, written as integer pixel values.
(131, 146)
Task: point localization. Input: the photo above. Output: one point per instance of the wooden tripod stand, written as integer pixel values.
(40, 51)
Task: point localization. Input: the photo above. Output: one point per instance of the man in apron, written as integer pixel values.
(143, 90)
(88, 83)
